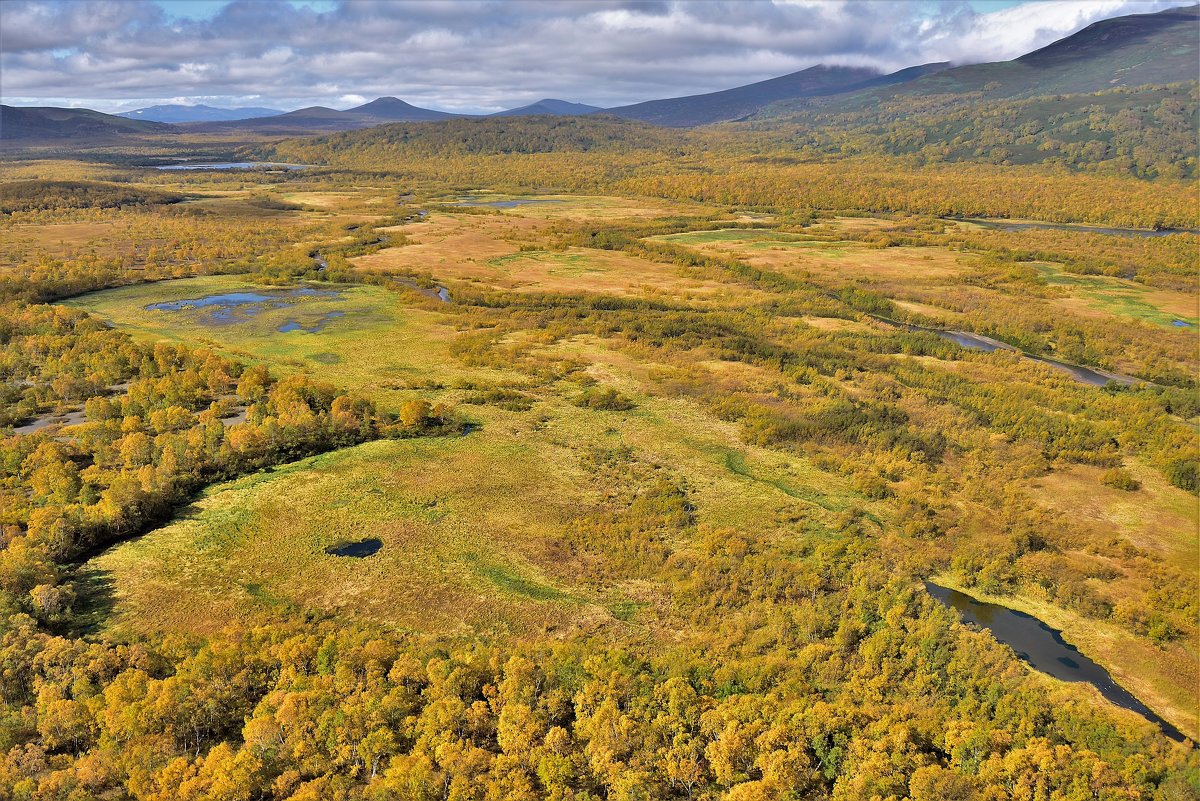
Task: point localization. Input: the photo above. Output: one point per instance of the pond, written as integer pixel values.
(356, 550)
(230, 307)
(234, 165)
(1010, 225)
(1044, 649)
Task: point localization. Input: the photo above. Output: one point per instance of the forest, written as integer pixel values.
(656, 436)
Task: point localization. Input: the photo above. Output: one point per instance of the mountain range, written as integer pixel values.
(176, 112)
(1128, 51)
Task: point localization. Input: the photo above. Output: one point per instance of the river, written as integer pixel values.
(966, 339)
(1044, 649)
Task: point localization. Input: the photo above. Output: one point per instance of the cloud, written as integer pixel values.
(483, 55)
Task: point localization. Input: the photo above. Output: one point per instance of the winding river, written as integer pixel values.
(1044, 649)
(966, 339)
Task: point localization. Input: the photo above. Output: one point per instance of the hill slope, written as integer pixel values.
(31, 125)
(385, 144)
(1118, 96)
(740, 101)
(1129, 51)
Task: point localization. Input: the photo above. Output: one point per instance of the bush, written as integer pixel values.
(604, 399)
(1120, 479)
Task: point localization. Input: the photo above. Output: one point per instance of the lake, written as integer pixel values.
(1044, 649)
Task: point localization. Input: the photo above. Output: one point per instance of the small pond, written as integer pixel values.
(356, 550)
(1044, 649)
(233, 165)
(230, 307)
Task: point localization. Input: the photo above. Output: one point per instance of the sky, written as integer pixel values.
(485, 55)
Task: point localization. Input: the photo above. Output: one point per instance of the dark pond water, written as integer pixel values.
(233, 165)
(229, 307)
(1007, 225)
(356, 550)
(502, 204)
(1044, 649)
(293, 325)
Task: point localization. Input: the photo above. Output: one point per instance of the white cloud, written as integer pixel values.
(489, 54)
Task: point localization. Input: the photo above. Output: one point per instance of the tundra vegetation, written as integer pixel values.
(658, 466)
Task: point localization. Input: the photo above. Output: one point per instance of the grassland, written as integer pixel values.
(1114, 296)
(470, 524)
(383, 342)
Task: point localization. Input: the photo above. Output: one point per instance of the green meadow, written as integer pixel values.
(471, 525)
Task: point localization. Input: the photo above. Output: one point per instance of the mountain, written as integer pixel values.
(741, 101)
(309, 120)
(199, 113)
(1134, 50)
(32, 125)
(320, 119)
(548, 106)
(393, 109)
(1117, 96)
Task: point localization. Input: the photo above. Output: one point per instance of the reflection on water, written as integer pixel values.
(230, 307)
(1044, 649)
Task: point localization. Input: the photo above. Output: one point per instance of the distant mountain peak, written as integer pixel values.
(549, 106)
(180, 112)
(396, 110)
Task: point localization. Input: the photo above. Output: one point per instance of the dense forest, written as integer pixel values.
(765, 171)
(1146, 132)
